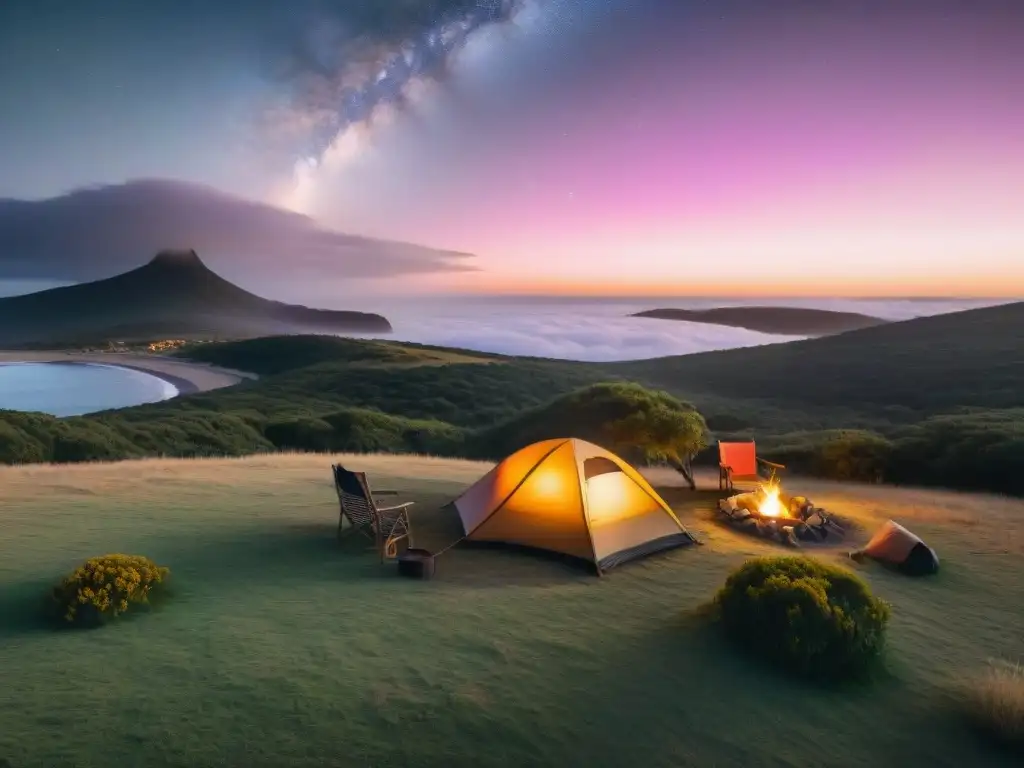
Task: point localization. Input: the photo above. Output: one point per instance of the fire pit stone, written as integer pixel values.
(768, 514)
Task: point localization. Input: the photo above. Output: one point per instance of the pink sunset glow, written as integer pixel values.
(828, 152)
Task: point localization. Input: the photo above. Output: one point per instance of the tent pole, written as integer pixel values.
(581, 475)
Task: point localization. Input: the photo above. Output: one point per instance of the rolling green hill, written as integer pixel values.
(936, 400)
(785, 321)
(929, 364)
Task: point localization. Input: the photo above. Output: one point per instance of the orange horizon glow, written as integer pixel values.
(838, 249)
(979, 287)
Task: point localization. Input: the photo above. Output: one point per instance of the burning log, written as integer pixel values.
(769, 514)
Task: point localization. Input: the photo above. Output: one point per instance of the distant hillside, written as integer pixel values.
(174, 295)
(785, 321)
(935, 401)
(969, 358)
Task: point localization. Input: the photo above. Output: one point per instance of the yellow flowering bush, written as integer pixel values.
(105, 587)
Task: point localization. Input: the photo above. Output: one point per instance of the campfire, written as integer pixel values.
(768, 512)
(769, 503)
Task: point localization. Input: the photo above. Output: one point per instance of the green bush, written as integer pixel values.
(80, 440)
(361, 430)
(308, 434)
(854, 455)
(975, 450)
(103, 588)
(16, 447)
(817, 620)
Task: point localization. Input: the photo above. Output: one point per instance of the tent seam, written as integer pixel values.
(581, 476)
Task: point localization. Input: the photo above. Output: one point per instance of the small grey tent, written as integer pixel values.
(894, 545)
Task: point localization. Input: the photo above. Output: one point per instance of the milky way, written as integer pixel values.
(342, 80)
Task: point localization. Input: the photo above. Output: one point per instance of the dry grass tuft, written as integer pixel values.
(994, 701)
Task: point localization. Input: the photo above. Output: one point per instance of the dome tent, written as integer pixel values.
(894, 545)
(572, 497)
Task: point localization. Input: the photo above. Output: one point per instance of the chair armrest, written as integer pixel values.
(397, 506)
(771, 464)
(726, 467)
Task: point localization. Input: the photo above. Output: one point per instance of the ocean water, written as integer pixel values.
(71, 389)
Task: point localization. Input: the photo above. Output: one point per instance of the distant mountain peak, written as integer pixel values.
(174, 295)
(177, 258)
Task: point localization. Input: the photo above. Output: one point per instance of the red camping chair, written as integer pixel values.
(739, 461)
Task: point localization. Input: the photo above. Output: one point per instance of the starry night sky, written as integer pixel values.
(580, 146)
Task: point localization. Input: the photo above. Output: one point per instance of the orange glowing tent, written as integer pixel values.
(573, 497)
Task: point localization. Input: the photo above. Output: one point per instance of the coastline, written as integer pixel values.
(185, 376)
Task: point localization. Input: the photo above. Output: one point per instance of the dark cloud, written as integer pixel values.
(96, 232)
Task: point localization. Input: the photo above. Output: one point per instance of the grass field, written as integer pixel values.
(280, 648)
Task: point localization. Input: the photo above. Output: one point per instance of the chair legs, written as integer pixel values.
(724, 480)
(385, 535)
(346, 530)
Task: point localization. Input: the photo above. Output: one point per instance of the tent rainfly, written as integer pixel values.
(894, 545)
(573, 497)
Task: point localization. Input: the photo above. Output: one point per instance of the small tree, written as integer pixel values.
(625, 417)
(854, 455)
(661, 428)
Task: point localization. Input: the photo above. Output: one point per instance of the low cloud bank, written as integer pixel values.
(602, 331)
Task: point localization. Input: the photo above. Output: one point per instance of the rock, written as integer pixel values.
(804, 532)
(747, 524)
(746, 501)
(741, 514)
(788, 537)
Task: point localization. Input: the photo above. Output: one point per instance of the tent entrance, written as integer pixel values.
(599, 465)
(625, 520)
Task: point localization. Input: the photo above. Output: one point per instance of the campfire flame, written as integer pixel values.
(770, 504)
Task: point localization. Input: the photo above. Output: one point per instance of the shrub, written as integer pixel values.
(814, 619)
(105, 587)
(854, 455)
(639, 423)
(303, 434)
(16, 447)
(79, 440)
(994, 702)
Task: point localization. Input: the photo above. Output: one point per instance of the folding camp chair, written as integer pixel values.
(739, 461)
(386, 525)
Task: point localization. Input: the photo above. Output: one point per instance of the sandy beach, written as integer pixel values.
(187, 377)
